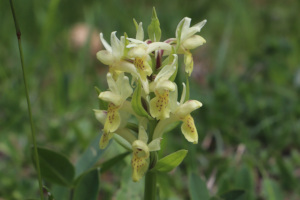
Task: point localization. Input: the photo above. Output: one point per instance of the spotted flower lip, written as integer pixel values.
(120, 90)
(159, 105)
(141, 152)
(180, 111)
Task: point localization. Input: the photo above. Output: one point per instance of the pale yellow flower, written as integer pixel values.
(162, 86)
(141, 152)
(180, 111)
(114, 55)
(120, 90)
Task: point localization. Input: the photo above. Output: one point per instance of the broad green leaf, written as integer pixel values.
(136, 102)
(245, 180)
(154, 31)
(55, 167)
(88, 186)
(128, 189)
(271, 190)
(233, 195)
(60, 192)
(171, 161)
(113, 161)
(197, 188)
(90, 157)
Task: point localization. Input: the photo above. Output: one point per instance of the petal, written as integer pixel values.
(125, 66)
(105, 44)
(167, 71)
(154, 145)
(117, 46)
(105, 57)
(158, 45)
(100, 115)
(186, 108)
(139, 167)
(183, 94)
(189, 130)
(140, 32)
(113, 118)
(200, 24)
(143, 135)
(193, 42)
(124, 87)
(111, 97)
(159, 106)
(162, 86)
(111, 83)
(138, 51)
(173, 99)
(189, 63)
(105, 138)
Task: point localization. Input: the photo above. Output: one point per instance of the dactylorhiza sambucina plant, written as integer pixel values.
(141, 86)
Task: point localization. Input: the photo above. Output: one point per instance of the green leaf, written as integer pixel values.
(55, 167)
(171, 161)
(197, 188)
(233, 195)
(88, 186)
(90, 156)
(271, 190)
(135, 24)
(136, 102)
(113, 161)
(154, 31)
(244, 179)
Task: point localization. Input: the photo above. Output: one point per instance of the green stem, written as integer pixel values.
(150, 178)
(18, 32)
(150, 186)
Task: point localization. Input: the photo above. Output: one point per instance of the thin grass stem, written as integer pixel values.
(18, 32)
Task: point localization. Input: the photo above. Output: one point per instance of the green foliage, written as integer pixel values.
(88, 186)
(197, 188)
(89, 157)
(233, 195)
(55, 167)
(171, 161)
(246, 79)
(137, 102)
(154, 31)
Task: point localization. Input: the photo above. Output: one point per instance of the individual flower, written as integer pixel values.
(114, 55)
(186, 40)
(180, 112)
(120, 90)
(162, 86)
(141, 152)
(140, 51)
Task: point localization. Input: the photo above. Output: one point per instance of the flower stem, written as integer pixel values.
(150, 178)
(150, 186)
(18, 32)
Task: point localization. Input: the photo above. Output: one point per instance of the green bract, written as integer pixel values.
(142, 92)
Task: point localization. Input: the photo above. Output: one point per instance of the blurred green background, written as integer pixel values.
(247, 76)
